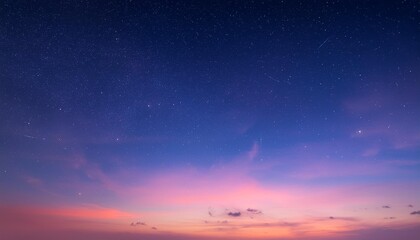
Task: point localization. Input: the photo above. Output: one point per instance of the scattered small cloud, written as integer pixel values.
(210, 211)
(137, 224)
(415, 213)
(332, 218)
(253, 211)
(154, 228)
(234, 214)
(386, 206)
(389, 218)
(410, 206)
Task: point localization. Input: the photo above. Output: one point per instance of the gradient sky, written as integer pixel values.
(209, 120)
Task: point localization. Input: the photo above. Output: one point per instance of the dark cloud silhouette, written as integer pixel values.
(138, 224)
(210, 211)
(234, 214)
(386, 206)
(415, 213)
(332, 218)
(254, 211)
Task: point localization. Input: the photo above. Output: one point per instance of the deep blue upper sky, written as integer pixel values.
(181, 82)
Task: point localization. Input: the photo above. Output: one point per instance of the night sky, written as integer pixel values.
(209, 120)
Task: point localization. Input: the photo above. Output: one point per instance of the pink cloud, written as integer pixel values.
(330, 169)
(16, 219)
(372, 151)
(388, 119)
(369, 103)
(33, 181)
